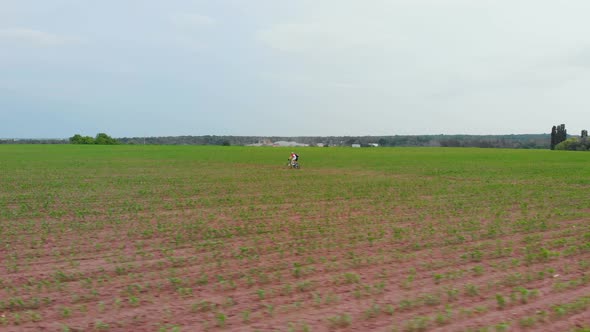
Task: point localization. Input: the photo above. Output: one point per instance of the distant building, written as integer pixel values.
(356, 145)
(267, 142)
(290, 143)
(375, 145)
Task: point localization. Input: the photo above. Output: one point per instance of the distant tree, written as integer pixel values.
(572, 144)
(558, 135)
(351, 141)
(553, 137)
(562, 133)
(100, 138)
(75, 139)
(79, 139)
(104, 139)
(451, 142)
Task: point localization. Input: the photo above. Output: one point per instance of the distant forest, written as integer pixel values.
(524, 141)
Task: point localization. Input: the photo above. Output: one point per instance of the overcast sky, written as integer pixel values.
(292, 68)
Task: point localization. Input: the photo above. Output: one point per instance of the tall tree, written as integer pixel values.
(563, 133)
(558, 135)
(553, 137)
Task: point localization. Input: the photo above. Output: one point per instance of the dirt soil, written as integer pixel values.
(151, 272)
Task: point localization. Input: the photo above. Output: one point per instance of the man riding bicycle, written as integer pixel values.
(294, 158)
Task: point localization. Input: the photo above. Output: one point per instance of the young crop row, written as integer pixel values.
(170, 239)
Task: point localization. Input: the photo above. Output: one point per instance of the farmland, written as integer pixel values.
(186, 238)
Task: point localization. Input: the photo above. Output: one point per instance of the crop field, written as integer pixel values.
(188, 238)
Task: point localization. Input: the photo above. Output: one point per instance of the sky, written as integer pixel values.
(133, 68)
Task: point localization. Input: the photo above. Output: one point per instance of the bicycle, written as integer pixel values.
(292, 164)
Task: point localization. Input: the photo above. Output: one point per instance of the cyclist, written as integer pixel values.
(294, 158)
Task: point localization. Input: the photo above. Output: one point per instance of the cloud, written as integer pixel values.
(191, 20)
(192, 30)
(432, 30)
(33, 37)
(327, 35)
(425, 46)
(421, 58)
(580, 58)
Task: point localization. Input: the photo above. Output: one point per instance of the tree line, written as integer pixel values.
(100, 139)
(557, 140)
(524, 141)
(560, 140)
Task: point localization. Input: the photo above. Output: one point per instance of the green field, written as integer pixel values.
(201, 237)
